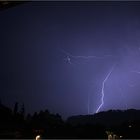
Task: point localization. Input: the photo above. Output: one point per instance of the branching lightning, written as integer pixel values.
(68, 58)
(131, 85)
(138, 72)
(88, 103)
(103, 85)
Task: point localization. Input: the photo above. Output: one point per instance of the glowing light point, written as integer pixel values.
(138, 72)
(130, 126)
(69, 60)
(37, 137)
(121, 136)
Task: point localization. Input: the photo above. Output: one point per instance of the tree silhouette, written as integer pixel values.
(22, 110)
(16, 108)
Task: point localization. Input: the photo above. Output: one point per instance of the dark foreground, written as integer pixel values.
(113, 124)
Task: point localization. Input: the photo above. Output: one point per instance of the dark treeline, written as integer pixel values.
(113, 123)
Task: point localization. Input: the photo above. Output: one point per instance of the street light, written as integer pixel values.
(130, 126)
(37, 137)
(121, 136)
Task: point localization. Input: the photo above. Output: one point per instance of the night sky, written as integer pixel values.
(62, 56)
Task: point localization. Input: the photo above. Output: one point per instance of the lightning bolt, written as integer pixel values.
(131, 85)
(134, 71)
(103, 86)
(69, 56)
(137, 72)
(68, 59)
(88, 103)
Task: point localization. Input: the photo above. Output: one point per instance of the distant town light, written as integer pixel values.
(121, 136)
(129, 126)
(37, 137)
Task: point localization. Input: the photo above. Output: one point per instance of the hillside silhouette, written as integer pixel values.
(111, 117)
(113, 123)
